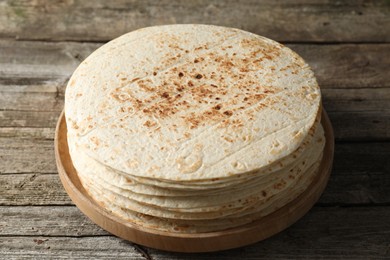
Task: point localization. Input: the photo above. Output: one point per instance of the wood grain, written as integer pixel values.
(303, 20)
(47, 221)
(19, 155)
(325, 232)
(96, 247)
(32, 189)
(365, 126)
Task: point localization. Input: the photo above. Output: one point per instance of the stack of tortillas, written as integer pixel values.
(194, 128)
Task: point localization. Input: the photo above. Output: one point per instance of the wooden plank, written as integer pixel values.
(360, 177)
(40, 61)
(32, 189)
(356, 100)
(336, 233)
(47, 221)
(104, 247)
(46, 97)
(39, 67)
(29, 119)
(19, 155)
(304, 20)
(27, 132)
(347, 65)
(353, 126)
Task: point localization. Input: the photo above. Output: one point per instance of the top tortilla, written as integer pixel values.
(190, 102)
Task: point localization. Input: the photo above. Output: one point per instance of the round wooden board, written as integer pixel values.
(203, 242)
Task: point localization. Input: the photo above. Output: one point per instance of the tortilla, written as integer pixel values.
(194, 128)
(193, 102)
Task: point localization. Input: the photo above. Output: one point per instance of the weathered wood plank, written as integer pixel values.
(40, 61)
(19, 155)
(336, 233)
(32, 189)
(27, 132)
(371, 125)
(356, 100)
(304, 20)
(44, 67)
(105, 247)
(48, 221)
(360, 177)
(29, 119)
(347, 65)
(48, 97)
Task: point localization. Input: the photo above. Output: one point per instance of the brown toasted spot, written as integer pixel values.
(75, 126)
(181, 74)
(198, 76)
(196, 61)
(133, 80)
(264, 193)
(228, 139)
(79, 94)
(146, 85)
(190, 84)
(165, 95)
(217, 107)
(154, 73)
(95, 140)
(149, 123)
(228, 113)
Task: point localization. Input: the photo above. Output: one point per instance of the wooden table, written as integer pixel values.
(347, 45)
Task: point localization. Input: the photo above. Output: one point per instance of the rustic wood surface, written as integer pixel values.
(345, 42)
